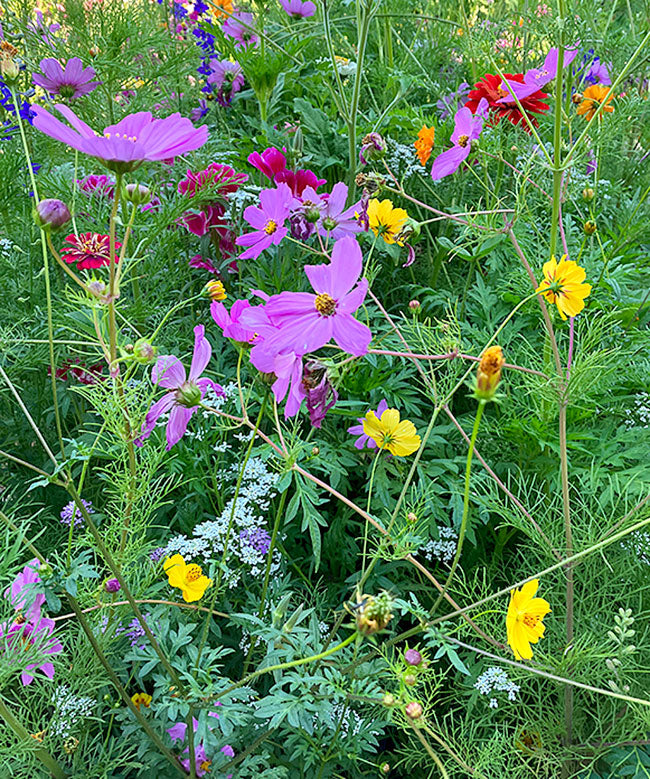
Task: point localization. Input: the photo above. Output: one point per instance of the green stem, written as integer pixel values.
(557, 135)
(23, 735)
(112, 324)
(365, 529)
(463, 523)
(366, 18)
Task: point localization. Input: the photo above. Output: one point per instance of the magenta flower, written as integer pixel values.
(227, 77)
(24, 598)
(32, 638)
(70, 82)
(537, 78)
(201, 222)
(321, 395)
(202, 263)
(126, 145)
(239, 27)
(270, 162)
(100, 185)
(217, 179)
(185, 392)
(229, 321)
(468, 128)
(268, 220)
(308, 321)
(178, 732)
(298, 8)
(273, 164)
(364, 440)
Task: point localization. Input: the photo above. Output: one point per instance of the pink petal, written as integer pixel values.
(157, 408)
(168, 372)
(202, 353)
(351, 302)
(351, 335)
(177, 425)
(347, 262)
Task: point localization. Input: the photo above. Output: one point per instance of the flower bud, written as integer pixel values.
(588, 194)
(411, 517)
(52, 214)
(111, 585)
(388, 699)
(9, 70)
(590, 227)
(137, 194)
(298, 143)
(410, 680)
(414, 305)
(576, 98)
(413, 657)
(312, 215)
(97, 287)
(45, 569)
(144, 352)
(488, 375)
(373, 147)
(413, 710)
(315, 451)
(374, 613)
(215, 290)
(385, 768)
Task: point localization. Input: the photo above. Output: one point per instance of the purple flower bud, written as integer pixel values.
(111, 585)
(413, 710)
(52, 213)
(413, 657)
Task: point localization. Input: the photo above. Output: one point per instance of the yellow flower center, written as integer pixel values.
(325, 304)
(194, 572)
(205, 765)
(463, 140)
(530, 620)
(271, 227)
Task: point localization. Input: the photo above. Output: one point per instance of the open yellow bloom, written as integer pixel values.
(141, 699)
(563, 285)
(400, 438)
(424, 143)
(188, 578)
(592, 97)
(524, 620)
(385, 220)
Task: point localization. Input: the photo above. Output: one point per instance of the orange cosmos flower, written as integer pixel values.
(592, 97)
(424, 143)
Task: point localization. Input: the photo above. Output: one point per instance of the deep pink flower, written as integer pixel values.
(268, 220)
(468, 128)
(126, 145)
(227, 77)
(217, 179)
(201, 222)
(321, 395)
(202, 263)
(298, 180)
(298, 8)
(100, 185)
(243, 34)
(308, 321)
(88, 250)
(270, 162)
(364, 440)
(21, 637)
(273, 164)
(70, 82)
(185, 393)
(22, 592)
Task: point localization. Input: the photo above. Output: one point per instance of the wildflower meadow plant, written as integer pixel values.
(325, 387)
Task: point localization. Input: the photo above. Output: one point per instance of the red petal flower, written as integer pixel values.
(88, 250)
(489, 88)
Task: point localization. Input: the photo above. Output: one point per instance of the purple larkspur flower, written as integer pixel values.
(299, 9)
(20, 637)
(157, 554)
(126, 145)
(364, 440)
(257, 538)
(185, 392)
(468, 127)
(598, 73)
(71, 81)
(71, 512)
(134, 632)
(227, 78)
(537, 78)
(200, 111)
(239, 27)
(268, 220)
(22, 594)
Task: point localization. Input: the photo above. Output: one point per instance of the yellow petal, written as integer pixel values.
(389, 420)
(528, 593)
(372, 427)
(175, 569)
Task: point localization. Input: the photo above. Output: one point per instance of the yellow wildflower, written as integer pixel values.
(385, 220)
(563, 285)
(215, 290)
(141, 699)
(400, 438)
(524, 620)
(424, 143)
(592, 97)
(188, 578)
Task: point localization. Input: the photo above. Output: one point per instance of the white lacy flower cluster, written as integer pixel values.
(240, 529)
(402, 159)
(639, 414)
(6, 247)
(496, 679)
(69, 710)
(444, 548)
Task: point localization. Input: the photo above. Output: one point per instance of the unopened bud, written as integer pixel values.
(97, 287)
(315, 451)
(410, 680)
(144, 352)
(9, 70)
(385, 768)
(111, 585)
(414, 305)
(488, 375)
(413, 657)
(188, 394)
(411, 517)
(588, 194)
(388, 699)
(576, 98)
(215, 290)
(298, 142)
(413, 710)
(590, 227)
(137, 194)
(45, 569)
(52, 214)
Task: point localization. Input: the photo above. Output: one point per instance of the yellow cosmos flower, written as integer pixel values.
(424, 143)
(563, 285)
(524, 620)
(385, 220)
(141, 699)
(592, 97)
(400, 438)
(188, 578)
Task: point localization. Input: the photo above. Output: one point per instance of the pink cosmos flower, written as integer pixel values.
(536, 78)
(70, 82)
(468, 128)
(229, 321)
(270, 162)
(243, 34)
(126, 145)
(298, 8)
(364, 440)
(22, 592)
(335, 221)
(21, 637)
(268, 220)
(227, 77)
(307, 321)
(185, 392)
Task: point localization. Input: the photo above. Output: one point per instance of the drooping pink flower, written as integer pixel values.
(320, 393)
(71, 81)
(31, 637)
(364, 440)
(227, 78)
(298, 9)
(269, 162)
(307, 321)
(240, 28)
(185, 392)
(298, 180)
(467, 128)
(201, 222)
(24, 598)
(126, 145)
(100, 185)
(273, 164)
(268, 220)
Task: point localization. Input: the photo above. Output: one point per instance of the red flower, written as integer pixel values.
(489, 87)
(88, 250)
(217, 179)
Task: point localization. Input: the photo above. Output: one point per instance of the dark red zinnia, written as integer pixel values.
(88, 250)
(489, 87)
